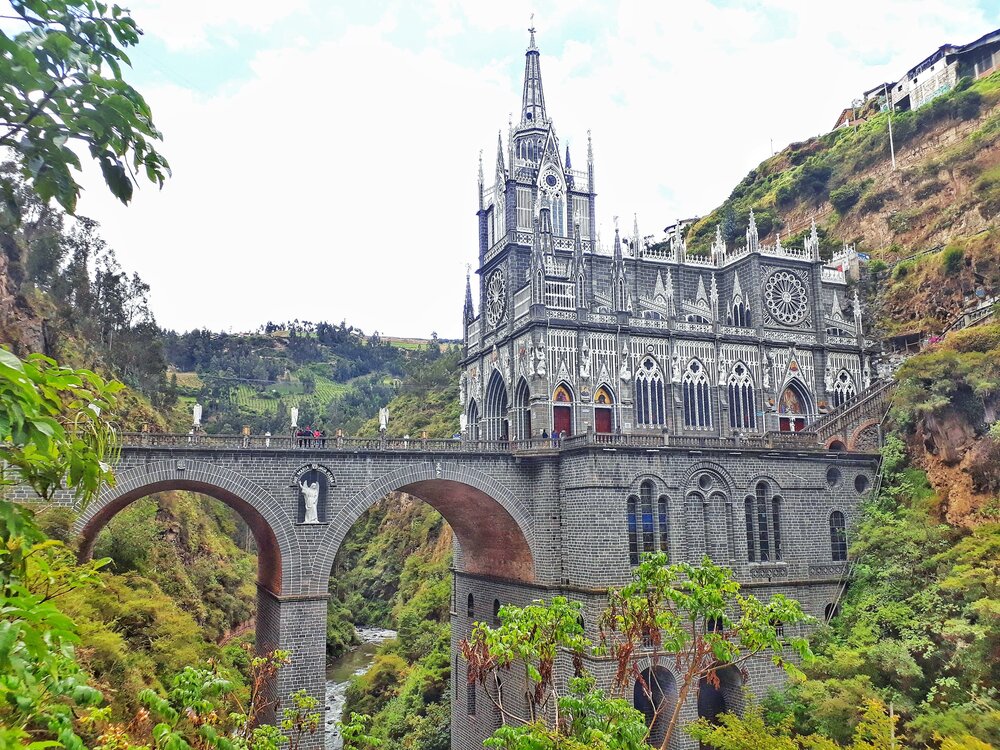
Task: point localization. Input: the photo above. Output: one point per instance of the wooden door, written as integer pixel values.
(562, 420)
(603, 421)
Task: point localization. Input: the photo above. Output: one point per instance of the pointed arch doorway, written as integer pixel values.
(604, 411)
(562, 411)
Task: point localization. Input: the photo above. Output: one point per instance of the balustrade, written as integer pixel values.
(202, 441)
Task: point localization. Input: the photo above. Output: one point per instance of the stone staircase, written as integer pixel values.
(856, 425)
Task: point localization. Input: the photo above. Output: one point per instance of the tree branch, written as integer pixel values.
(35, 110)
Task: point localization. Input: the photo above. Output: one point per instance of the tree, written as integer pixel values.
(665, 610)
(63, 86)
(697, 617)
(52, 434)
(529, 638)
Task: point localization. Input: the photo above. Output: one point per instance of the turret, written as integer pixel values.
(468, 313)
(753, 243)
(812, 242)
(481, 187)
(619, 284)
(501, 166)
(718, 247)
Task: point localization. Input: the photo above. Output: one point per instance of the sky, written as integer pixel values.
(325, 154)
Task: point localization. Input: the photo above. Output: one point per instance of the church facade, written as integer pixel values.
(644, 339)
(678, 392)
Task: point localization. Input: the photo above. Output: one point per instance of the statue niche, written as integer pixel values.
(312, 487)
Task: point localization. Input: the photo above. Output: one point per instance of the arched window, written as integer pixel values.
(655, 695)
(471, 608)
(663, 516)
(522, 410)
(496, 612)
(776, 524)
(838, 536)
(741, 313)
(742, 403)
(632, 521)
(694, 394)
(649, 401)
(558, 215)
(843, 388)
(763, 541)
(495, 422)
(646, 490)
(473, 420)
(793, 407)
(751, 541)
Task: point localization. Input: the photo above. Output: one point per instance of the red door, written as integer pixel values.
(602, 420)
(562, 420)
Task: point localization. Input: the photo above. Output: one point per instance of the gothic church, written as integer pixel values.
(659, 400)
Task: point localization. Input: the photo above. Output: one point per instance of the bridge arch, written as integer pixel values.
(491, 523)
(277, 545)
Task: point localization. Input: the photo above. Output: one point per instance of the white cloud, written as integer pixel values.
(338, 181)
(196, 24)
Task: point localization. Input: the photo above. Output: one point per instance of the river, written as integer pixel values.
(339, 673)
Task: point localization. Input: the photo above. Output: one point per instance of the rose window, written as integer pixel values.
(785, 297)
(496, 297)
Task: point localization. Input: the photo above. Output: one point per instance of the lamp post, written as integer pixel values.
(892, 148)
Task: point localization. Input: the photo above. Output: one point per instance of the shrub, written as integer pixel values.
(844, 197)
(951, 260)
(814, 177)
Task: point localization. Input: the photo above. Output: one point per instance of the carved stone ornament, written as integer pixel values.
(625, 373)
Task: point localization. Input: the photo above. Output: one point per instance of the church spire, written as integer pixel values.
(470, 313)
(533, 100)
(481, 179)
(619, 284)
(501, 167)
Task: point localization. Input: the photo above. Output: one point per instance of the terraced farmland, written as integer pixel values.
(250, 399)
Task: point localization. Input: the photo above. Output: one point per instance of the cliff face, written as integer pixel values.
(21, 326)
(929, 226)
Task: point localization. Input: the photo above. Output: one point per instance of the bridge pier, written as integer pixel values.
(297, 624)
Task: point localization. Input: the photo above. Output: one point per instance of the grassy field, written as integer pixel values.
(251, 399)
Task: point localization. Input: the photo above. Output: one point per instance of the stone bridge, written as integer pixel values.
(532, 519)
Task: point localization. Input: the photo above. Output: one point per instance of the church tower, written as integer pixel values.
(654, 339)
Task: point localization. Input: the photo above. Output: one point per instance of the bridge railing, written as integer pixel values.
(797, 441)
